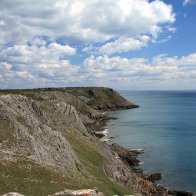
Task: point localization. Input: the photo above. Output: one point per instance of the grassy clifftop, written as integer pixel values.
(100, 98)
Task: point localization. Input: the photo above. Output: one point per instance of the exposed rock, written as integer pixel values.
(154, 177)
(129, 156)
(180, 193)
(91, 93)
(83, 192)
(12, 194)
(161, 189)
(34, 135)
(37, 109)
(54, 130)
(99, 134)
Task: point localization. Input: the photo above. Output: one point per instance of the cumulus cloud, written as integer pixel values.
(161, 71)
(24, 68)
(125, 68)
(30, 53)
(37, 38)
(124, 44)
(4, 66)
(91, 21)
(34, 63)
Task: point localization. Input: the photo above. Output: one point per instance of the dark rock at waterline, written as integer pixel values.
(99, 135)
(180, 193)
(112, 107)
(128, 156)
(113, 118)
(154, 177)
(138, 170)
(161, 189)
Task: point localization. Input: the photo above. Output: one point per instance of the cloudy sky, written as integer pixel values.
(123, 44)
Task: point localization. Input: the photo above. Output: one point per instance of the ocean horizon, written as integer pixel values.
(165, 127)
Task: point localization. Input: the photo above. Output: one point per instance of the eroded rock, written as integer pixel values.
(154, 177)
(129, 156)
(12, 194)
(82, 192)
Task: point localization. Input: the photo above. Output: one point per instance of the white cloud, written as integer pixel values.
(33, 66)
(124, 44)
(4, 66)
(60, 49)
(123, 67)
(24, 75)
(161, 72)
(91, 21)
(36, 39)
(35, 53)
(185, 61)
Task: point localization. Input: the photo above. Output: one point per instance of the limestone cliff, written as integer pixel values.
(47, 144)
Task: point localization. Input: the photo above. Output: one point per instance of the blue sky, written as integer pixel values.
(123, 44)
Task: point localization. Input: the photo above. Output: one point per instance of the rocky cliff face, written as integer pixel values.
(102, 98)
(33, 134)
(47, 144)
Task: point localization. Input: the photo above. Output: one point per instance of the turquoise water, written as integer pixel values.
(165, 127)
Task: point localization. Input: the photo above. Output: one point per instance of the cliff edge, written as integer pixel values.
(48, 144)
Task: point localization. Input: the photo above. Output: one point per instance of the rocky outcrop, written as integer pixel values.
(12, 194)
(68, 192)
(44, 133)
(82, 192)
(130, 157)
(180, 193)
(33, 134)
(154, 177)
(48, 143)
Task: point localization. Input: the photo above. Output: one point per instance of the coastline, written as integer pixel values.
(130, 158)
(74, 128)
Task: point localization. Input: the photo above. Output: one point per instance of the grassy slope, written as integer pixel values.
(30, 178)
(92, 162)
(101, 95)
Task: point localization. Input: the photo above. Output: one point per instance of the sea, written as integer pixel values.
(164, 126)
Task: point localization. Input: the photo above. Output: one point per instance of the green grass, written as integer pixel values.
(30, 178)
(92, 165)
(104, 184)
(28, 93)
(101, 95)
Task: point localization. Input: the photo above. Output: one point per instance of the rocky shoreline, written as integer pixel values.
(50, 141)
(130, 157)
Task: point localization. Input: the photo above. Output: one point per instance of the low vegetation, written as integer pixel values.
(20, 174)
